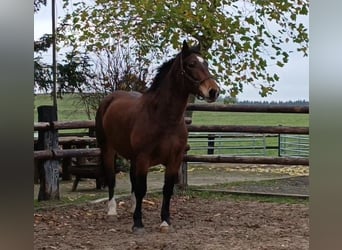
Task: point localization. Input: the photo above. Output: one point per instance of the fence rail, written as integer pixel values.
(249, 129)
(248, 108)
(246, 159)
(293, 145)
(48, 153)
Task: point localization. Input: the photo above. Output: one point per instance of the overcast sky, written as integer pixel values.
(294, 76)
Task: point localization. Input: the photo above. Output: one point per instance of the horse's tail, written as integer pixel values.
(100, 133)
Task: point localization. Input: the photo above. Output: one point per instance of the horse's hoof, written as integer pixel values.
(112, 212)
(138, 230)
(164, 227)
(112, 208)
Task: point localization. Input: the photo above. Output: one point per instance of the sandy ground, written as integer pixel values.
(197, 223)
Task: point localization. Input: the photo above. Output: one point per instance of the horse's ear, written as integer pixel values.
(197, 48)
(185, 46)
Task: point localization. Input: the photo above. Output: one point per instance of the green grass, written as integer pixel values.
(69, 108)
(239, 118)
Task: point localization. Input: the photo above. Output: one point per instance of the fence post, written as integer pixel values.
(66, 164)
(48, 169)
(183, 176)
(183, 173)
(211, 144)
(279, 143)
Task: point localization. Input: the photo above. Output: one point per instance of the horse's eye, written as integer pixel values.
(192, 64)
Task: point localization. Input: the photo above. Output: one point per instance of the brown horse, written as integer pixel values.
(149, 128)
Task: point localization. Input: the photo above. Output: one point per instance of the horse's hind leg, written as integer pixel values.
(109, 157)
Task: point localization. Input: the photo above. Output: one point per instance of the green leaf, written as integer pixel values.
(280, 64)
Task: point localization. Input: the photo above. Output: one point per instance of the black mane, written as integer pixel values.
(165, 67)
(162, 71)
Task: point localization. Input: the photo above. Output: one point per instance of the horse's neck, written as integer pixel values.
(170, 100)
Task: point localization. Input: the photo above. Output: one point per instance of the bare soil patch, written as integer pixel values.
(198, 222)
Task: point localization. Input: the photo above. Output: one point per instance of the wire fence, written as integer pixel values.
(294, 145)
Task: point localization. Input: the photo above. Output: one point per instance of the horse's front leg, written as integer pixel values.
(139, 186)
(171, 178)
(132, 178)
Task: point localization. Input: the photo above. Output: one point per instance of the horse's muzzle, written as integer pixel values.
(209, 90)
(213, 94)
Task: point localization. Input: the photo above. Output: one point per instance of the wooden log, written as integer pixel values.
(41, 126)
(76, 140)
(247, 159)
(92, 171)
(86, 171)
(248, 129)
(48, 169)
(87, 152)
(95, 152)
(204, 135)
(73, 124)
(36, 172)
(42, 154)
(248, 108)
(66, 164)
(61, 153)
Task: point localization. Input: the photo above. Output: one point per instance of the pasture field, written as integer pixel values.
(71, 109)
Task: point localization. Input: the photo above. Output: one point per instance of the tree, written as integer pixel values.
(91, 75)
(37, 4)
(240, 38)
(41, 71)
(111, 70)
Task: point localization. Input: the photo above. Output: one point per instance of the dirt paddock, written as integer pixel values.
(198, 223)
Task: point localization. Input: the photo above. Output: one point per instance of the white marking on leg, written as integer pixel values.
(200, 59)
(112, 207)
(133, 202)
(164, 224)
(164, 227)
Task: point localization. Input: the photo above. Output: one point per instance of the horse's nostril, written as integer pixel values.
(213, 94)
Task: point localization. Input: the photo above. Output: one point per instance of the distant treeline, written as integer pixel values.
(233, 100)
(290, 103)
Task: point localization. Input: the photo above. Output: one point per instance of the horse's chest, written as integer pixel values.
(168, 149)
(161, 144)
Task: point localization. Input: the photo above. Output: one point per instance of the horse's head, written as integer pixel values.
(196, 74)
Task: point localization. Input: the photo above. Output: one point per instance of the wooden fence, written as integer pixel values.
(51, 152)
